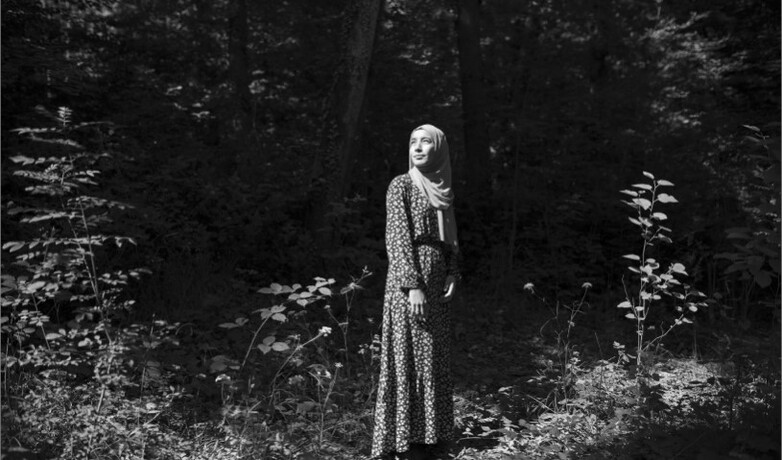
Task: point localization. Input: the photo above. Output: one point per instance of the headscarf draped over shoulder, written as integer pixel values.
(433, 179)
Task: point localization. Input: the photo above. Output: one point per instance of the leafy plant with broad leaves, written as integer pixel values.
(654, 282)
(58, 263)
(60, 295)
(755, 258)
(288, 397)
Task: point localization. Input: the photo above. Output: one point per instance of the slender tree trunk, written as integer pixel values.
(239, 66)
(476, 134)
(341, 126)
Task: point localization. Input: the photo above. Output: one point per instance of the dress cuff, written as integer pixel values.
(412, 282)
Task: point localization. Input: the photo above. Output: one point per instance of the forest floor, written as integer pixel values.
(529, 385)
(543, 397)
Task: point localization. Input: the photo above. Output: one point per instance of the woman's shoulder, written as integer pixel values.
(400, 185)
(401, 180)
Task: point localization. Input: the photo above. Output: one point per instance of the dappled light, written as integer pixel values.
(194, 220)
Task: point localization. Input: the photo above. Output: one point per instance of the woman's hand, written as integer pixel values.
(450, 287)
(417, 302)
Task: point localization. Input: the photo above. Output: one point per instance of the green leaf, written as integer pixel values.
(763, 278)
(659, 216)
(678, 268)
(752, 128)
(269, 340)
(643, 186)
(665, 183)
(36, 285)
(625, 304)
(630, 315)
(14, 246)
(305, 407)
(217, 365)
(649, 175)
(280, 346)
(632, 193)
(665, 198)
(22, 159)
(264, 348)
(279, 317)
(738, 233)
(631, 257)
(635, 221)
(643, 203)
(228, 325)
(53, 336)
(324, 291)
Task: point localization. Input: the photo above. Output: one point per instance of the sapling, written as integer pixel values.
(653, 283)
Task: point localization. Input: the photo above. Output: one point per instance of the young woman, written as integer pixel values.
(415, 394)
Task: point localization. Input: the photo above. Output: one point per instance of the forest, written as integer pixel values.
(193, 217)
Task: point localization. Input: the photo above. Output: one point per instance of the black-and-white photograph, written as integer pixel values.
(390, 229)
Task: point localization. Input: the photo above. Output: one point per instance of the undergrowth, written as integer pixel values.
(288, 371)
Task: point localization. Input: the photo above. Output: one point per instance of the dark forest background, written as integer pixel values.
(240, 143)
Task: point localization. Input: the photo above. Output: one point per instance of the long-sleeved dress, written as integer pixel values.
(415, 391)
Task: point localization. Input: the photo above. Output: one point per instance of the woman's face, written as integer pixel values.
(421, 147)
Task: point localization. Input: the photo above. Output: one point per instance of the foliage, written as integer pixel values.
(563, 373)
(299, 396)
(578, 96)
(652, 283)
(755, 255)
(61, 298)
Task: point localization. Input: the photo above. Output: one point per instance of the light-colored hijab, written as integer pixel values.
(434, 181)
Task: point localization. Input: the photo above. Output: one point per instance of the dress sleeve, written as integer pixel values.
(453, 265)
(399, 239)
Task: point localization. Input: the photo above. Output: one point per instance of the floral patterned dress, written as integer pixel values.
(415, 392)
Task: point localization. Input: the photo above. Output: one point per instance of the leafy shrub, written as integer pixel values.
(285, 375)
(652, 282)
(755, 259)
(64, 355)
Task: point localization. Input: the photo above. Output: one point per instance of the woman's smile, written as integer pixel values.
(421, 145)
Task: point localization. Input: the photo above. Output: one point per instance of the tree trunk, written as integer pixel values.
(239, 67)
(330, 176)
(476, 134)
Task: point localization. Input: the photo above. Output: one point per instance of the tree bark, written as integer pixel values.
(476, 134)
(330, 176)
(239, 66)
